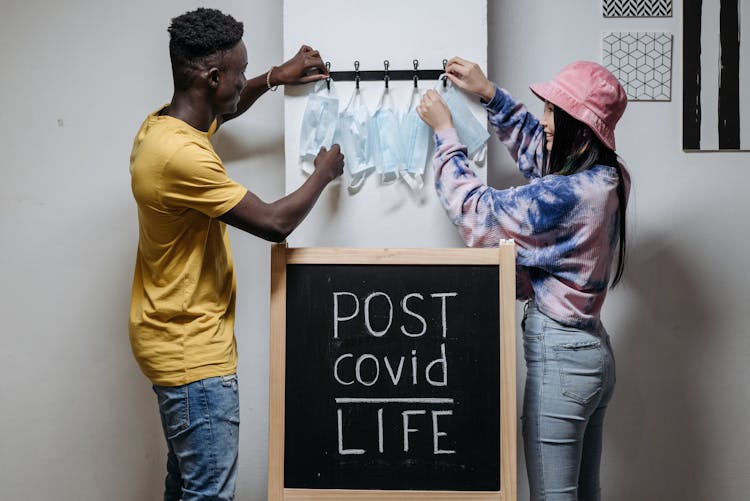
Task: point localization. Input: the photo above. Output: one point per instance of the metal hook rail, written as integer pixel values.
(386, 74)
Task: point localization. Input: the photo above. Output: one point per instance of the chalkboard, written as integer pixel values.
(390, 374)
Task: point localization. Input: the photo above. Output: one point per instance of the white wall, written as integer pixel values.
(78, 422)
(393, 30)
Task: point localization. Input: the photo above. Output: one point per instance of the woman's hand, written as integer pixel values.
(470, 77)
(435, 113)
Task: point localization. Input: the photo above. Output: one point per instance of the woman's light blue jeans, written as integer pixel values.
(570, 378)
(201, 422)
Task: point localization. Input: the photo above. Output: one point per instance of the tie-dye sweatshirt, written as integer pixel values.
(565, 227)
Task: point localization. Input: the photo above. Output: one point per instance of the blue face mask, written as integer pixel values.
(470, 131)
(318, 122)
(416, 136)
(353, 134)
(389, 152)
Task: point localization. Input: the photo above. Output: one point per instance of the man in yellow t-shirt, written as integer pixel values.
(183, 297)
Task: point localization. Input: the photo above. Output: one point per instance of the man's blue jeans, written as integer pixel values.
(201, 422)
(570, 378)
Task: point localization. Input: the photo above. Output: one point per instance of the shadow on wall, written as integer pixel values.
(656, 444)
(232, 146)
(125, 443)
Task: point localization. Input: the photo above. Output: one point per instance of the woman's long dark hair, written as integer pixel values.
(575, 149)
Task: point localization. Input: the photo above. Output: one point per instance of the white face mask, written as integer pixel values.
(470, 131)
(389, 152)
(319, 122)
(416, 137)
(353, 134)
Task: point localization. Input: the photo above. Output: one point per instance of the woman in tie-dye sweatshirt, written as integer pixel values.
(568, 224)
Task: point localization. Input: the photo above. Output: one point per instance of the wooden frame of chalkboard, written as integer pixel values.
(330, 442)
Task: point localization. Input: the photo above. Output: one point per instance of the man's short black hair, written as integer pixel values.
(200, 33)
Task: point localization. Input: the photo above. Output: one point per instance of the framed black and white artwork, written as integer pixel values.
(637, 8)
(716, 75)
(642, 62)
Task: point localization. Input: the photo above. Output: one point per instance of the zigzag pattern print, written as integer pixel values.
(637, 8)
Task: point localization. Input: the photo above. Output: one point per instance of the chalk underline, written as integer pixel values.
(394, 400)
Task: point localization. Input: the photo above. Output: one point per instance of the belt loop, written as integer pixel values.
(525, 309)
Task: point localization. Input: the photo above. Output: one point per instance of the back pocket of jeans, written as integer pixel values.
(581, 373)
(231, 394)
(174, 409)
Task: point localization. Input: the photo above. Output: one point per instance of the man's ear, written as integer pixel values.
(212, 77)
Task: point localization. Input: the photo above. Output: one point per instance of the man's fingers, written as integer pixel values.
(312, 78)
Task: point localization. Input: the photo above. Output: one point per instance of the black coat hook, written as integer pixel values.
(328, 80)
(445, 79)
(386, 64)
(416, 67)
(356, 73)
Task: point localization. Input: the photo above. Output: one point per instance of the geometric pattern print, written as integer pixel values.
(637, 8)
(642, 62)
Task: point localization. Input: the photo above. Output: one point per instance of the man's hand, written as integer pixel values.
(330, 162)
(276, 220)
(306, 66)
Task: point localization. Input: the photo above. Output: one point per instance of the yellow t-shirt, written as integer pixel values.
(182, 303)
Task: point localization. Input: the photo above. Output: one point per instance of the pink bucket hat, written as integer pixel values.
(589, 93)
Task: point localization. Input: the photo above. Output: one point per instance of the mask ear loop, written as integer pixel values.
(357, 94)
(353, 99)
(308, 168)
(357, 181)
(481, 155)
(414, 181)
(356, 99)
(386, 102)
(326, 85)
